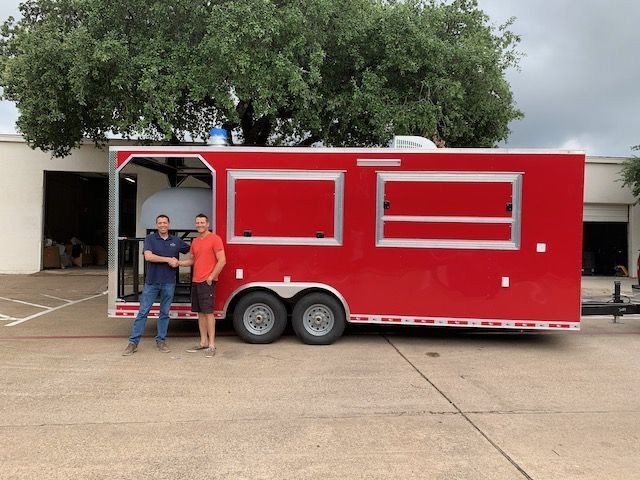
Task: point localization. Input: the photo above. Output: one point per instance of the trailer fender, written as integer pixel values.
(286, 290)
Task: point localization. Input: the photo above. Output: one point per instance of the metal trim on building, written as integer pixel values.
(606, 212)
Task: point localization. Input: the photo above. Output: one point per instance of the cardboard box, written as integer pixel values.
(99, 255)
(84, 259)
(51, 257)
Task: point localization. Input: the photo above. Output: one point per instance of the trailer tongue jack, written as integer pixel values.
(617, 306)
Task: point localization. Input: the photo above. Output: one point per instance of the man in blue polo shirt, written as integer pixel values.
(161, 254)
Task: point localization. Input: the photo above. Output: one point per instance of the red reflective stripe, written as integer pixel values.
(391, 320)
(461, 322)
(136, 306)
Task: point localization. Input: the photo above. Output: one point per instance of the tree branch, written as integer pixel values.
(308, 141)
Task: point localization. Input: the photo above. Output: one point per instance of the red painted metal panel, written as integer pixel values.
(447, 231)
(284, 208)
(448, 198)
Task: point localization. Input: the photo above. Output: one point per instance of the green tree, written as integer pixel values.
(275, 71)
(631, 174)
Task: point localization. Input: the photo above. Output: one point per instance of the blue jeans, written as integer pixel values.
(149, 294)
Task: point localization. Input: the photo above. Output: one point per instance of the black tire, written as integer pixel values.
(318, 319)
(259, 317)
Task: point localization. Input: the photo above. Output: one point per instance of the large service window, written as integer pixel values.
(467, 210)
(285, 207)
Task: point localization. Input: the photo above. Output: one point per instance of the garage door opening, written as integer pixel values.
(76, 218)
(605, 248)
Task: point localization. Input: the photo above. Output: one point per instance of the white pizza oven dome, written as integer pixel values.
(181, 205)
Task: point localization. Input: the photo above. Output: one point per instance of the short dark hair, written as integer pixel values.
(162, 215)
(202, 215)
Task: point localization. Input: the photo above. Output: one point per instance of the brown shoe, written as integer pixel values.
(162, 347)
(130, 350)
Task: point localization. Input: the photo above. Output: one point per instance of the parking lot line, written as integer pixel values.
(24, 303)
(56, 298)
(49, 310)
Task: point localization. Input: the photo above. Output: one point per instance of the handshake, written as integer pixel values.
(173, 262)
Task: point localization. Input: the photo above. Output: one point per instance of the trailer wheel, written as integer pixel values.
(318, 319)
(259, 317)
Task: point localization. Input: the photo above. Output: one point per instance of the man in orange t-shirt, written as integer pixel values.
(208, 259)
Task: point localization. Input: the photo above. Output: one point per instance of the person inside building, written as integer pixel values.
(161, 252)
(208, 259)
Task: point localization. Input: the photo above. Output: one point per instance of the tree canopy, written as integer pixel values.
(630, 174)
(347, 73)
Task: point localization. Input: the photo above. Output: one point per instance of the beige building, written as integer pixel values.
(59, 199)
(611, 219)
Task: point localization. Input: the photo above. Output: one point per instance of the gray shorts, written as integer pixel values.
(202, 296)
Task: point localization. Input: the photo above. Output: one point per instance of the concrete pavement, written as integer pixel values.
(383, 403)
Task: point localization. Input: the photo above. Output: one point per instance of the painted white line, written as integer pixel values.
(39, 314)
(25, 303)
(56, 298)
(7, 317)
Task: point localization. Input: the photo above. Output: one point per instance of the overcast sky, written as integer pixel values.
(577, 84)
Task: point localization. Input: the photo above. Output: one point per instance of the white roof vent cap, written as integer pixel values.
(412, 141)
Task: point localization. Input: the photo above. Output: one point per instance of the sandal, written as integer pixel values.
(195, 349)
(210, 352)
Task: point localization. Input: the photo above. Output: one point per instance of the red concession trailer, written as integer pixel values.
(482, 238)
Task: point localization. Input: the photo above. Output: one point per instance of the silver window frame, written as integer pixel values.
(513, 178)
(288, 175)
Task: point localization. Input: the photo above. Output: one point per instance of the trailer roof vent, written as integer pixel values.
(412, 141)
(180, 204)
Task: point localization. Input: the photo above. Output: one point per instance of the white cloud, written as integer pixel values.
(8, 116)
(577, 143)
(577, 84)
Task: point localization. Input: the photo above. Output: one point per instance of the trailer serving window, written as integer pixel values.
(466, 210)
(285, 207)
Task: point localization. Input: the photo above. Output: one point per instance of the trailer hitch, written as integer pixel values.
(617, 306)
